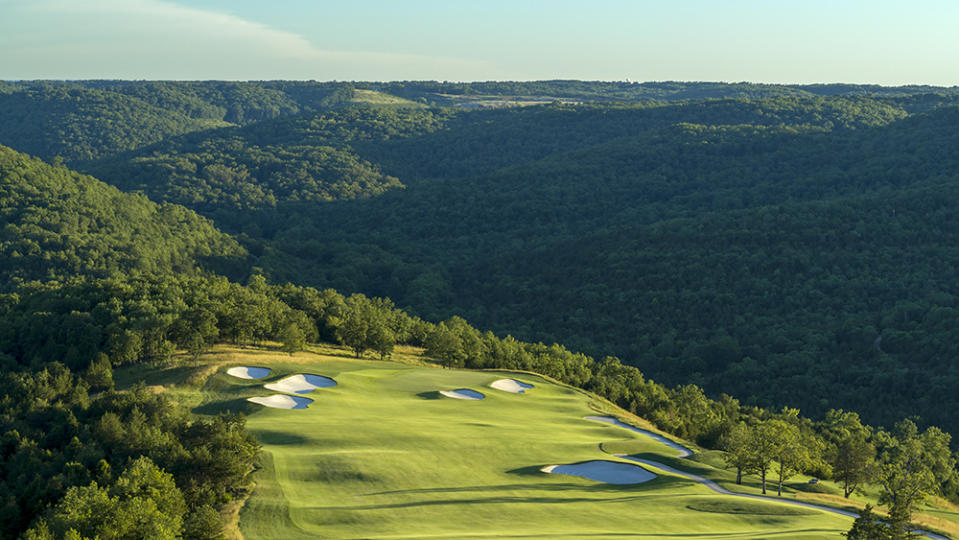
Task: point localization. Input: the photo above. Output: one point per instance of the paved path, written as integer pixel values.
(683, 451)
(686, 452)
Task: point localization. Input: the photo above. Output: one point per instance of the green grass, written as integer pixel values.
(731, 505)
(372, 97)
(382, 456)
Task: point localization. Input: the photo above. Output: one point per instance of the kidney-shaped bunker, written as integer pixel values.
(462, 393)
(609, 472)
(244, 372)
(281, 401)
(300, 384)
(511, 385)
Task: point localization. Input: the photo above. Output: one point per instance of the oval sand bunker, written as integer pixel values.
(462, 393)
(609, 472)
(511, 385)
(280, 401)
(300, 384)
(244, 372)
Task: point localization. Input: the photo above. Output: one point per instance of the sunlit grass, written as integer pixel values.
(383, 455)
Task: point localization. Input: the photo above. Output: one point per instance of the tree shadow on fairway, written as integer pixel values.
(489, 500)
(234, 406)
(660, 482)
(532, 470)
(279, 438)
(429, 395)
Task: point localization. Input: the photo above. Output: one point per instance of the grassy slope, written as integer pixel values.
(372, 97)
(380, 456)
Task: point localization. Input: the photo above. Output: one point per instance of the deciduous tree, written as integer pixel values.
(850, 453)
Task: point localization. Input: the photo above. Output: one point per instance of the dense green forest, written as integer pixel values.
(58, 224)
(749, 238)
(765, 262)
(79, 460)
(761, 247)
(84, 120)
(304, 159)
(438, 92)
(81, 124)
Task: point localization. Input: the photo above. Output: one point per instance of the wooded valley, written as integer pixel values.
(731, 262)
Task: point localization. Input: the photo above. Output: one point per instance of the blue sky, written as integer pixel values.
(883, 42)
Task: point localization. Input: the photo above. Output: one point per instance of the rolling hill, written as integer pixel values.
(58, 224)
(793, 249)
(568, 223)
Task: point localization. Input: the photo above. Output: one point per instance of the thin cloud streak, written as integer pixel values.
(156, 39)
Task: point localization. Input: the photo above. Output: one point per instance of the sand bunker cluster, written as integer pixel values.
(609, 472)
(302, 383)
(506, 385)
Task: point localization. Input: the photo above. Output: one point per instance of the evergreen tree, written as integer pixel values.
(99, 375)
(868, 526)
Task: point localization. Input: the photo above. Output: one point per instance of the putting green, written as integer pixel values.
(382, 455)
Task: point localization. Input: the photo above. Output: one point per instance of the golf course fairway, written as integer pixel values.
(384, 455)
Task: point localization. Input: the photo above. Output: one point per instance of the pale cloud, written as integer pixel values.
(156, 39)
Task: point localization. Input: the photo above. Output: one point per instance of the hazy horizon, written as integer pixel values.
(889, 43)
(371, 81)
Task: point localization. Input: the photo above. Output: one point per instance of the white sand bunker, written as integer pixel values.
(243, 372)
(462, 393)
(280, 401)
(609, 472)
(511, 385)
(300, 384)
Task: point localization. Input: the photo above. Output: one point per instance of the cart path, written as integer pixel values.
(713, 486)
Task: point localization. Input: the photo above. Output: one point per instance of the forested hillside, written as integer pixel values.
(457, 93)
(81, 265)
(81, 124)
(306, 158)
(341, 154)
(122, 285)
(58, 224)
(85, 120)
(763, 260)
(751, 238)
